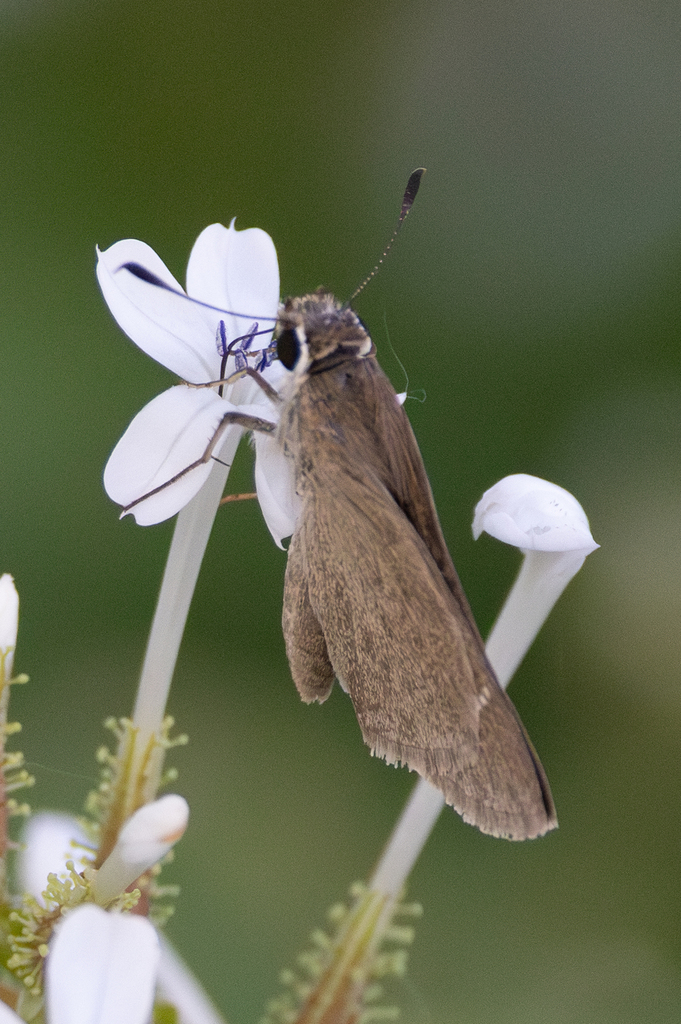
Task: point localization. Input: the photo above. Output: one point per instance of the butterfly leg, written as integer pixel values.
(229, 418)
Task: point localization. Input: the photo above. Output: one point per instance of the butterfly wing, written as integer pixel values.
(372, 596)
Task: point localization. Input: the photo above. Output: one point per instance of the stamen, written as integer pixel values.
(221, 339)
(268, 356)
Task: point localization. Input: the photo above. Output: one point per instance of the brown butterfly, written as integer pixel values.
(372, 597)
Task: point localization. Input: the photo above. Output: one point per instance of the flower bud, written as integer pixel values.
(549, 525)
(144, 839)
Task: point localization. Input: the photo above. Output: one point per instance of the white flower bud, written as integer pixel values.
(534, 515)
(144, 839)
(549, 525)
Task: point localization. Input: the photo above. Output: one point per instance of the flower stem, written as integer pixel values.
(542, 578)
(5, 673)
(409, 836)
(187, 549)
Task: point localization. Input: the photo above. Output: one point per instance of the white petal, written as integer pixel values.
(144, 839)
(175, 332)
(101, 969)
(275, 484)
(237, 271)
(47, 841)
(533, 514)
(9, 620)
(169, 433)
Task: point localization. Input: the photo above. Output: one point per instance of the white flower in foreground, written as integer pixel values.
(9, 622)
(228, 270)
(549, 525)
(101, 968)
(144, 839)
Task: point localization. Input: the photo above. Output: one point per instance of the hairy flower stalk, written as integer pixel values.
(338, 996)
(9, 621)
(12, 774)
(551, 529)
(338, 978)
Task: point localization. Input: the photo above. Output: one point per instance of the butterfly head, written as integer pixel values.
(315, 332)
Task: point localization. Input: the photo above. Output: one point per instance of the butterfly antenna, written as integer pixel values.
(407, 203)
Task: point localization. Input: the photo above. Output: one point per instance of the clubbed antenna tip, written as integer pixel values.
(409, 195)
(407, 203)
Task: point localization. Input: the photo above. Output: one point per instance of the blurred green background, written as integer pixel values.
(534, 294)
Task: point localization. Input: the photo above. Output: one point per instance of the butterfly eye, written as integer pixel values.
(288, 348)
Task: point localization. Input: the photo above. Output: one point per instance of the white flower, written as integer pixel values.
(549, 525)
(101, 968)
(229, 272)
(88, 978)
